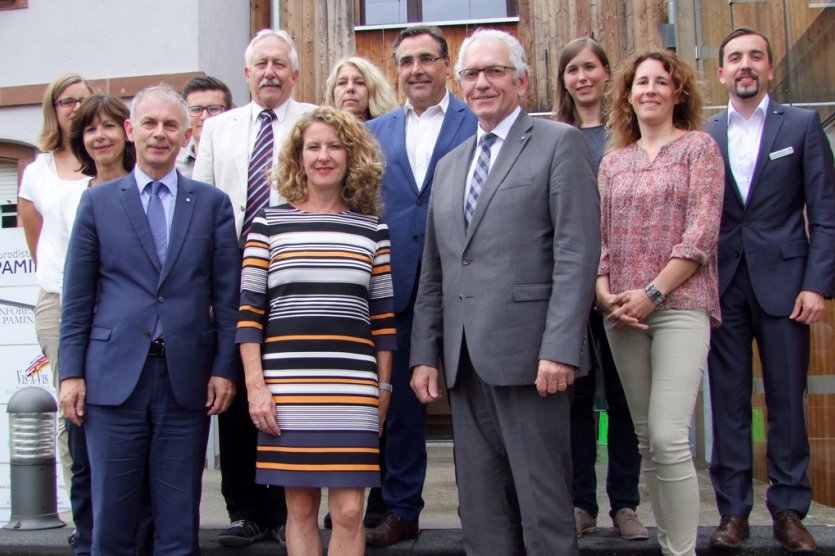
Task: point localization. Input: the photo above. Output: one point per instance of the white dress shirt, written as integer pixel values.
(421, 135)
(744, 144)
(500, 131)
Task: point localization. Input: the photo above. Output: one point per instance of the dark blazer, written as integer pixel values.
(520, 280)
(114, 289)
(404, 206)
(794, 169)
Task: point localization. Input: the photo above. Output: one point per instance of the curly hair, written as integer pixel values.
(687, 114)
(103, 106)
(567, 108)
(381, 97)
(361, 190)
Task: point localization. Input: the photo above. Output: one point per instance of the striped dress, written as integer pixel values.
(316, 294)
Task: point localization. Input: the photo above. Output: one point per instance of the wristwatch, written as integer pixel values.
(654, 294)
(384, 386)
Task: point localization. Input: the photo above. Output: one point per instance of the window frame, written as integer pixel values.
(414, 16)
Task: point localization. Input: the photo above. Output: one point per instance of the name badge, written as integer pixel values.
(781, 153)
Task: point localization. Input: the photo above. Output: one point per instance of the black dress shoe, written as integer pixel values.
(731, 532)
(243, 533)
(789, 530)
(391, 529)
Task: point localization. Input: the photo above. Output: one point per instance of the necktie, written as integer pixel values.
(482, 167)
(156, 219)
(258, 190)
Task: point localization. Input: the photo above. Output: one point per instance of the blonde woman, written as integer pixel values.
(355, 85)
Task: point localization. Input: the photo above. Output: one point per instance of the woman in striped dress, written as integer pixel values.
(316, 328)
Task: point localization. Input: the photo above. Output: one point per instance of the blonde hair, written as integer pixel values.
(381, 97)
(51, 136)
(687, 113)
(361, 190)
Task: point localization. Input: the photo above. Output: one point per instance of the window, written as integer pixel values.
(386, 12)
(8, 195)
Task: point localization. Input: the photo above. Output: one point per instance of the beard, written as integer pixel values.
(750, 92)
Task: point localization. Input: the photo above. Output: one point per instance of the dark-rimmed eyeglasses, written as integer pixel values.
(68, 102)
(423, 61)
(212, 109)
(492, 73)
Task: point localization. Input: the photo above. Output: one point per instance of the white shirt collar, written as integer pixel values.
(503, 128)
(280, 112)
(443, 105)
(759, 110)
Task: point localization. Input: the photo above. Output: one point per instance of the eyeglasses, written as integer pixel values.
(423, 61)
(212, 109)
(492, 73)
(68, 102)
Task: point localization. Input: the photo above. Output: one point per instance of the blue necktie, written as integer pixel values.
(258, 190)
(482, 167)
(156, 220)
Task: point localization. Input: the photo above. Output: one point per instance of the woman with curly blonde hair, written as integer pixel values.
(661, 191)
(355, 85)
(316, 328)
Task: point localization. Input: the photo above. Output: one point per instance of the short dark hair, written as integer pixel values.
(741, 32)
(208, 83)
(99, 105)
(417, 30)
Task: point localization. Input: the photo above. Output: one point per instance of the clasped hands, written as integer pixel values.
(627, 309)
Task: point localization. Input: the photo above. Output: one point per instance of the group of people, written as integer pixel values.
(609, 244)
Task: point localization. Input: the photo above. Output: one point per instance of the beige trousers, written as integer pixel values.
(661, 370)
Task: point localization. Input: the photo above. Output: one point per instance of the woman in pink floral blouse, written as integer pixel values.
(661, 199)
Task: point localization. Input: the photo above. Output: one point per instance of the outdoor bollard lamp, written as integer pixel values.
(32, 413)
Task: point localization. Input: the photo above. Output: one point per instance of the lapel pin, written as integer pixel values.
(188, 199)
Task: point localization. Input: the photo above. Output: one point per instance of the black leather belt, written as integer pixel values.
(157, 348)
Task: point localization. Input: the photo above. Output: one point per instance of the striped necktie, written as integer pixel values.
(482, 167)
(258, 189)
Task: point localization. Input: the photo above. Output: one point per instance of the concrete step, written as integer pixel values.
(433, 542)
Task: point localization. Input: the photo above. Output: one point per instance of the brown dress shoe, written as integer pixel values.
(731, 532)
(789, 530)
(391, 529)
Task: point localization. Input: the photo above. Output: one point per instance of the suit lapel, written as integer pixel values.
(771, 127)
(452, 121)
(515, 141)
(399, 152)
(183, 210)
(719, 132)
(239, 136)
(132, 204)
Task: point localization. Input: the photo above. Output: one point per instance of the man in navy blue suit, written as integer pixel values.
(413, 138)
(147, 333)
(773, 278)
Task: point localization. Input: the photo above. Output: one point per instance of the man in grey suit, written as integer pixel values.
(512, 246)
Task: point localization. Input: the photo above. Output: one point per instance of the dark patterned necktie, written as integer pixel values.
(258, 189)
(482, 167)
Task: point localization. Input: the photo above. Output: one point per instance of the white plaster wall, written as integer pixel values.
(117, 38)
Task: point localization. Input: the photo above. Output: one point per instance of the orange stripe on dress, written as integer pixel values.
(253, 309)
(321, 380)
(287, 467)
(250, 324)
(384, 331)
(322, 254)
(310, 399)
(382, 269)
(252, 261)
(298, 337)
(382, 316)
(318, 450)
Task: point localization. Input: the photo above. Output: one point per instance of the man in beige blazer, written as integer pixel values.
(225, 159)
(508, 270)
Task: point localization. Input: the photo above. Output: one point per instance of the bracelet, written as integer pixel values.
(384, 386)
(654, 294)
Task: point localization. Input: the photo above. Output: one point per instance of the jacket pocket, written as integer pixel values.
(531, 292)
(792, 249)
(100, 333)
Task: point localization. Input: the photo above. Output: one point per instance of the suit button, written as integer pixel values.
(420, 202)
(461, 297)
(465, 261)
(147, 334)
(415, 237)
(242, 208)
(161, 299)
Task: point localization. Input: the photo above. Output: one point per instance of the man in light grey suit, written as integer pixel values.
(512, 246)
(237, 150)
